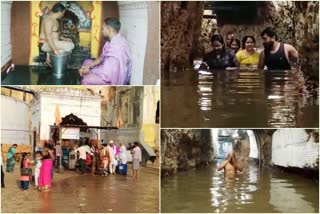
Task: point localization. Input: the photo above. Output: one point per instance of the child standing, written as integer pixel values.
(25, 179)
(38, 164)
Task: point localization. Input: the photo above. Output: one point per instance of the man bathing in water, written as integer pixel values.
(230, 166)
(49, 33)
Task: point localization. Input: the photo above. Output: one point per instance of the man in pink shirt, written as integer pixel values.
(136, 159)
(113, 67)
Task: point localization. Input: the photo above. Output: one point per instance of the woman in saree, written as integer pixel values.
(45, 177)
(248, 57)
(11, 158)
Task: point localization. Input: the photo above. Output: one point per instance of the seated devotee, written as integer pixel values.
(276, 55)
(230, 166)
(235, 45)
(113, 67)
(248, 56)
(221, 57)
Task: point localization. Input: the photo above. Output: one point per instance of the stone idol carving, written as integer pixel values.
(83, 16)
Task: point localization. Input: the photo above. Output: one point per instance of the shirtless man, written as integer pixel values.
(230, 166)
(276, 55)
(49, 33)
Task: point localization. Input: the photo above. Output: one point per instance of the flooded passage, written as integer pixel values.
(245, 98)
(206, 190)
(77, 194)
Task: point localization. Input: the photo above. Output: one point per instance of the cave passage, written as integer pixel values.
(259, 188)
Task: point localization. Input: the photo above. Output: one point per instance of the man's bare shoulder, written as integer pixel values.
(47, 20)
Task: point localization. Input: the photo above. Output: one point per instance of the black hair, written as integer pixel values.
(24, 155)
(58, 8)
(237, 41)
(113, 22)
(38, 152)
(15, 145)
(244, 40)
(136, 143)
(229, 33)
(270, 32)
(48, 146)
(218, 38)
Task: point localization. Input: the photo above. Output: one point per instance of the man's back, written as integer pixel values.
(229, 170)
(53, 25)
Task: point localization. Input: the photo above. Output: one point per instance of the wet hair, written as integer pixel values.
(244, 40)
(58, 8)
(24, 155)
(237, 41)
(270, 32)
(229, 33)
(113, 22)
(218, 38)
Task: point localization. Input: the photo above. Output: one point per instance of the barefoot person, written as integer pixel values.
(136, 159)
(276, 55)
(230, 166)
(113, 67)
(49, 33)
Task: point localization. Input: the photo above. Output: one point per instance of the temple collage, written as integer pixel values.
(159, 106)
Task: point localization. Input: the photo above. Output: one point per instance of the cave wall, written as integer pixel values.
(180, 30)
(184, 149)
(241, 152)
(264, 140)
(295, 148)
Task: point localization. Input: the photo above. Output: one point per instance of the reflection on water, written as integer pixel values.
(246, 98)
(206, 190)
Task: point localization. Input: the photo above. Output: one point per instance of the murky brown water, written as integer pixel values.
(245, 98)
(93, 194)
(206, 190)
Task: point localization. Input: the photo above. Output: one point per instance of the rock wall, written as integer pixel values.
(295, 148)
(264, 139)
(180, 30)
(184, 149)
(241, 152)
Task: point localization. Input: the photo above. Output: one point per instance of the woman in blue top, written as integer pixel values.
(10, 158)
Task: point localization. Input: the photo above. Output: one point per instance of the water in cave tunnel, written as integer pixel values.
(276, 166)
(238, 95)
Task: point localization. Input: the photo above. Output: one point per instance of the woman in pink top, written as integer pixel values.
(25, 179)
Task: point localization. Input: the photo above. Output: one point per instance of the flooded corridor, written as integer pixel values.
(75, 193)
(206, 190)
(245, 98)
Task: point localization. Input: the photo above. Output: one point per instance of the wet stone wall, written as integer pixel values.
(184, 149)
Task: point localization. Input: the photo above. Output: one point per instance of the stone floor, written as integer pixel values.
(72, 192)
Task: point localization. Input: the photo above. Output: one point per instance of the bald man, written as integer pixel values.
(230, 166)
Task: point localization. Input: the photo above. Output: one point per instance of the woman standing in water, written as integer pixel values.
(248, 56)
(230, 166)
(235, 45)
(11, 158)
(220, 57)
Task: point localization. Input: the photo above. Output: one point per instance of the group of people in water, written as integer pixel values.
(92, 158)
(232, 55)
